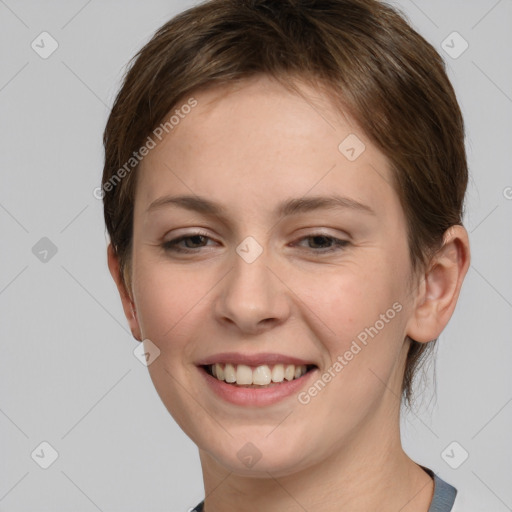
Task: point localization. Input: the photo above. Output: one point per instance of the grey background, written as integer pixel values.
(67, 370)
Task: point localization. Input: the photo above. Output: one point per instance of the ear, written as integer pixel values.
(440, 287)
(126, 298)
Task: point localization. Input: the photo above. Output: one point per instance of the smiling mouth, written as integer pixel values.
(262, 376)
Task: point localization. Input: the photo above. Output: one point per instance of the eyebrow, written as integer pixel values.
(287, 208)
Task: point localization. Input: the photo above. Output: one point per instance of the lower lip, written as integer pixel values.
(253, 396)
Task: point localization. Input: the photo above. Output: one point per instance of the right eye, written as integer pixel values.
(197, 240)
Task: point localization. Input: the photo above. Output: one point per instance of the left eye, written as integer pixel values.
(320, 239)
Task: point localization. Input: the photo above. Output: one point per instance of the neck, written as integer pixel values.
(370, 472)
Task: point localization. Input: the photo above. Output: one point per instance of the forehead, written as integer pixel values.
(253, 143)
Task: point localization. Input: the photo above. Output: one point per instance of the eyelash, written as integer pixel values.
(172, 245)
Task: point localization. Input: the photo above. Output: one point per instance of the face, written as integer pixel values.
(290, 248)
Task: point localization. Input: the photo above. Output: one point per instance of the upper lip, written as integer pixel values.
(252, 359)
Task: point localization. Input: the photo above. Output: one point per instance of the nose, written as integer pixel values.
(253, 297)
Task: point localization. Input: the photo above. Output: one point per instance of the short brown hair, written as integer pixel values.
(360, 52)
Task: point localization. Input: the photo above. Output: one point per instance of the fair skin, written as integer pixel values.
(249, 151)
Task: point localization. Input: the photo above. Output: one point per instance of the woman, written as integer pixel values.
(283, 189)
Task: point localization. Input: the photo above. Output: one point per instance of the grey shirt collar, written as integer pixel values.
(444, 493)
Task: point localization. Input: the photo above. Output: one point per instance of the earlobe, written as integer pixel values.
(126, 297)
(441, 286)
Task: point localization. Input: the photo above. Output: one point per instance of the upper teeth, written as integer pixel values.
(261, 375)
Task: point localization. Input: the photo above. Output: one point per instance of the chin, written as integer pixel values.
(260, 459)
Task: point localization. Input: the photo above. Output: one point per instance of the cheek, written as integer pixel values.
(171, 306)
(361, 329)
(168, 301)
(349, 298)
(362, 325)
